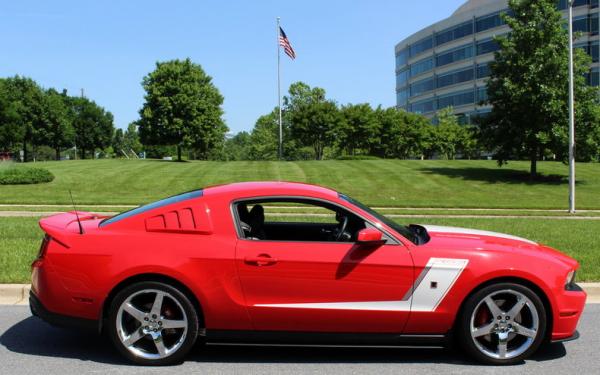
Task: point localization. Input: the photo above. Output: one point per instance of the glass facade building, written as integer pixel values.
(447, 63)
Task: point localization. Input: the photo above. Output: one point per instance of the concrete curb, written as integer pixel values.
(18, 294)
(14, 294)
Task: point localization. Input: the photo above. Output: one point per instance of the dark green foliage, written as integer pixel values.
(131, 139)
(237, 147)
(11, 131)
(55, 129)
(182, 108)
(32, 118)
(359, 130)
(313, 119)
(125, 144)
(93, 125)
(26, 109)
(24, 175)
(159, 152)
(264, 139)
(404, 135)
(451, 138)
(118, 143)
(316, 128)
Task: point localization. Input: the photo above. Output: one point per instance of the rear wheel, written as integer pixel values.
(152, 323)
(502, 324)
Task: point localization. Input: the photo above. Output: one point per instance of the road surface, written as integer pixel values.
(30, 346)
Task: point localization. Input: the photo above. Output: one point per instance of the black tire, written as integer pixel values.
(177, 304)
(476, 347)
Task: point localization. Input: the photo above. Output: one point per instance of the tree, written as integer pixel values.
(313, 125)
(118, 143)
(237, 147)
(182, 107)
(11, 130)
(93, 125)
(449, 135)
(313, 119)
(131, 139)
(264, 139)
(360, 129)
(528, 87)
(26, 98)
(56, 129)
(403, 134)
(301, 94)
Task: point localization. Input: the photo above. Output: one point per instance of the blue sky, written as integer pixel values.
(106, 47)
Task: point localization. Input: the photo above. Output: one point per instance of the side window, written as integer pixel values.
(296, 220)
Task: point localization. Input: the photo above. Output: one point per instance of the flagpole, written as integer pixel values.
(279, 90)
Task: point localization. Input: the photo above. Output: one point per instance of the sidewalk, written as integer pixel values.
(18, 294)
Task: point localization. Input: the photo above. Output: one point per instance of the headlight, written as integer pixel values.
(570, 280)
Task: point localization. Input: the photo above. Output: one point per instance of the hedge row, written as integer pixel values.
(24, 175)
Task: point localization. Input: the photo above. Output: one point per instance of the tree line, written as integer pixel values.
(32, 117)
(315, 127)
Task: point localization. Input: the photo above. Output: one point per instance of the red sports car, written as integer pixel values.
(322, 269)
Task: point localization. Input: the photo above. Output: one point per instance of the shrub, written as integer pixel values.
(24, 175)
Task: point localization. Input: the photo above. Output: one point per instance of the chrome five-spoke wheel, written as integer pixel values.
(153, 322)
(503, 323)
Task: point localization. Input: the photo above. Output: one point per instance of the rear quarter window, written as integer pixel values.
(153, 205)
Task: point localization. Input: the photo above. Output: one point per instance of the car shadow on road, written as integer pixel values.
(32, 336)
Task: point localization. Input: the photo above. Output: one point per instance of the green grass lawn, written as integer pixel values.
(399, 183)
(20, 238)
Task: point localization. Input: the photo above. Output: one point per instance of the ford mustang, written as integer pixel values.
(292, 263)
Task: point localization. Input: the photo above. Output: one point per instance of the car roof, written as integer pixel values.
(265, 188)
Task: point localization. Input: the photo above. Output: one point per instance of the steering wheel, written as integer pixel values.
(246, 228)
(342, 228)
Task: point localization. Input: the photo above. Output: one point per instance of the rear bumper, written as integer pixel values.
(59, 320)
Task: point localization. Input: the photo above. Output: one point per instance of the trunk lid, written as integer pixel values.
(62, 227)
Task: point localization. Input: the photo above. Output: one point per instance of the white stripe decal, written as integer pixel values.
(443, 271)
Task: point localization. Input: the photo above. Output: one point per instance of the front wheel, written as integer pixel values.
(502, 324)
(152, 323)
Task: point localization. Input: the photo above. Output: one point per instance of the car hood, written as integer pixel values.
(482, 240)
(472, 233)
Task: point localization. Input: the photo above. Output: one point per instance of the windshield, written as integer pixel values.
(151, 206)
(401, 229)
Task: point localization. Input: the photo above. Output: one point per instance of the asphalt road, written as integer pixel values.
(30, 346)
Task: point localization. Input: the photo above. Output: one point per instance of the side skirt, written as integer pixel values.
(323, 339)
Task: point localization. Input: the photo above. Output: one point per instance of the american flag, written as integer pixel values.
(285, 43)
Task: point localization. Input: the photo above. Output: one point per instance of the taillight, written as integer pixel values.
(44, 247)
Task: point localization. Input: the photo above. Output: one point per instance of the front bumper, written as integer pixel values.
(575, 336)
(59, 320)
(569, 307)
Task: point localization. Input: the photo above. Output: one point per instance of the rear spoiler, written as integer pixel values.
(57, 226)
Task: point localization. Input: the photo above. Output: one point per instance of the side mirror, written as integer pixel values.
(370, 236)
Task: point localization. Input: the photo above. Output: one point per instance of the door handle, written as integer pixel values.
(260, 260)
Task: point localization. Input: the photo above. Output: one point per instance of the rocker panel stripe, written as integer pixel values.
(421, 296)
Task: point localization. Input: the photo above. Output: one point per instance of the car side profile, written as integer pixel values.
(293, 263)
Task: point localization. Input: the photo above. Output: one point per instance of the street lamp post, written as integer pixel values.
(571, 116)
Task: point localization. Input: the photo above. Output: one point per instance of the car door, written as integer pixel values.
(325, 286)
